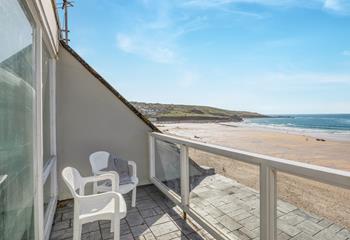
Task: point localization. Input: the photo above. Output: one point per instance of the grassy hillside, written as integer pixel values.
(173, 112)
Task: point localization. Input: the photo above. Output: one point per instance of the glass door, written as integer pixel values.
(17, 111)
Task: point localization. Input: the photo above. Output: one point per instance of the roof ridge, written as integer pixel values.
(109, 86)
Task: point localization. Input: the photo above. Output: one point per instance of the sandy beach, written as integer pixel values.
(321, 199)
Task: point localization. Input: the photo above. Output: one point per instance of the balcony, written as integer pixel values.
(187, 203)
(155, 217)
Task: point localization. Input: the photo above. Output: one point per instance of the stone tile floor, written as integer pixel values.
(228, 205)
(234, 209)
(154, 217)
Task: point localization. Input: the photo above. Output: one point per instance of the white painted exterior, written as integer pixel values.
(90, 118)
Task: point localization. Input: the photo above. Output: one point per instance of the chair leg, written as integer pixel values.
(133, 198)
(116, 227)
(76, 230)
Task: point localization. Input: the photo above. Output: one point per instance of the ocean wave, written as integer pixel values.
(330, 134)
(318, 123)
(293, 127)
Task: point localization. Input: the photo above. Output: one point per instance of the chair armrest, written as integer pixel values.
(133, 166)
(106, 196)
(116, 175)
(113, 177)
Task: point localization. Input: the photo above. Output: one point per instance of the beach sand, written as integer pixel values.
(323, 200)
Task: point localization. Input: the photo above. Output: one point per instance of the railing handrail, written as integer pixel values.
(326, 175)
(268, 168)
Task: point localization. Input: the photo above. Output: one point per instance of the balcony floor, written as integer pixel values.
(230, 206)
(155, 217)
(234, 209)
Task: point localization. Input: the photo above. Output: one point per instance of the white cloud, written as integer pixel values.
(125, 43)
(188, 79)
(337, 6)
(156, 35)
(346, 53)
(306, 78)
(293, 79)
(206, 3)
(147, 49)
(332, 5)
(281, 3)
(161, 54)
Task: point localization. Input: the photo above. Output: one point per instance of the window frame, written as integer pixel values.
(43, 222)
(50, 168)
(27, 8)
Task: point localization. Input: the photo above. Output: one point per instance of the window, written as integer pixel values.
(46, 84)
(17, 112)
(21, 167)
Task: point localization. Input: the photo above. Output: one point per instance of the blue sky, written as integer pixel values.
(269, 56)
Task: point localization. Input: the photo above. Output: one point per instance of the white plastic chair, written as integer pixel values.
(90, 208)
(99, 161)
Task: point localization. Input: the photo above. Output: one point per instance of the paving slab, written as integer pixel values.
(227, 205)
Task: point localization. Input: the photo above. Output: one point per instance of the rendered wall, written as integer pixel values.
(91, 118)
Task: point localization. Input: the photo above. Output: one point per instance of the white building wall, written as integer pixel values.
(91, 118)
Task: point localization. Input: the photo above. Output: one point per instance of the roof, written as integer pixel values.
(109, 86)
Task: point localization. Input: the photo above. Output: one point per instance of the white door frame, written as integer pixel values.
(38, 150)
(42, 224)
(51, 167)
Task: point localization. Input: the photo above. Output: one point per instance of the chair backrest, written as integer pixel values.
(99, 160)
(73, 179)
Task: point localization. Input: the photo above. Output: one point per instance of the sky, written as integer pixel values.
(267, 56)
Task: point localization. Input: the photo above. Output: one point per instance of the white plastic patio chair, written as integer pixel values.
(99, 161)
(90, 208)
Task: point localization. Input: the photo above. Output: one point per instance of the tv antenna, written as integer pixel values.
(65, 5)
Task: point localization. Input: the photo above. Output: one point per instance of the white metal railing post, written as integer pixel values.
(184, 176)
(152, 156)
(268, 203)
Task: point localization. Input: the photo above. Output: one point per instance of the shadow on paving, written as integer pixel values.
(154, 217)
(227, 205)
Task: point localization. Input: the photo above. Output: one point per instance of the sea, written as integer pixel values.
(328, 126)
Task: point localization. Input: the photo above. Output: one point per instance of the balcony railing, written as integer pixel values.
(176, 180)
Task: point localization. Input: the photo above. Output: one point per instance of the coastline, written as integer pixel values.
(322, 134)
(335, 135)
(324, 149)
(317, 198)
